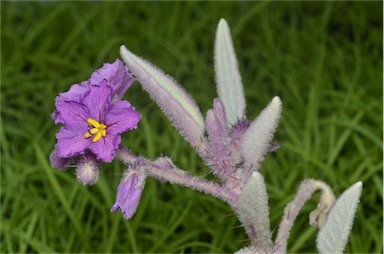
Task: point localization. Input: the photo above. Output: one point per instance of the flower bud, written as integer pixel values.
(87, 172)
(129, 194)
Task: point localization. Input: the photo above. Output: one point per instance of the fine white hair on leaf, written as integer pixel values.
(333, 236)
(256, 140)
(228, 79)
(254, 210)
(174, 101)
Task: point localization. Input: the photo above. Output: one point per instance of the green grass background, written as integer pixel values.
(324, 59)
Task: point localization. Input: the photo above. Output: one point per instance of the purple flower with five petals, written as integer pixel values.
(93, 116)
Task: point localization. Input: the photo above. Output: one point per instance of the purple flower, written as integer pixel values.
(128, 194)
(92, 115)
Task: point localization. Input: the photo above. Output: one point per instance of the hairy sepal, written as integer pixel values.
(256, 141)
(217, 131)
(228, 79)
(333, 236)
(174, 101)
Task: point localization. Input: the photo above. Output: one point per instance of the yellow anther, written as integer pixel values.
(94, 130)
(97, 137)
(94, 123)
(99, 130)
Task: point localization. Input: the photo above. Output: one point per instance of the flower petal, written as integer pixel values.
(71, 143)
(58, 162)
(121, 117)
(98, 101)
(75, 94)
(105, 148)
(118, 78)
(72, 114)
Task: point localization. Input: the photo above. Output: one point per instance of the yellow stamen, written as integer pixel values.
(94, 130)
(93, 123)
(97, 137)
(99, 130)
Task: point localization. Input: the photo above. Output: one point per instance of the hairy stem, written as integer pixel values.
(306, 189)
(163, 169)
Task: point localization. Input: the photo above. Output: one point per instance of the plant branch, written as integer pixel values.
(163, 169)
(306, 189)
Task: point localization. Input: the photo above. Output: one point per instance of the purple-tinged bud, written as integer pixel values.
(87, 171)
(217, 137)
(217, 129)
(219, 110)
(238, 130)
(129, 194)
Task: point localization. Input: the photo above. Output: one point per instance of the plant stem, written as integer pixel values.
(163, 169)
(306, 189)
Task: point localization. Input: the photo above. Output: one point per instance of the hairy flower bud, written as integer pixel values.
(87, 171)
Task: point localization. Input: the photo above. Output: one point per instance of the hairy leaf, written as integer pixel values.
(254, 211)
(256, 141)
(175, 102)
(333, 236)
(228, 79)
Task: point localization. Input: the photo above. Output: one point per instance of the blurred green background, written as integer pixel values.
(324, 59)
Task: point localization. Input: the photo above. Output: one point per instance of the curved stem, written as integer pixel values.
(306, 189)
(164, 170)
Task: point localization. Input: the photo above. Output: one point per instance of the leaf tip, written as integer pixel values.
(276, 103)
(358, 185)
(223, 23)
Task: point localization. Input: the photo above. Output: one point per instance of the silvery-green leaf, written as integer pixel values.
(175, 102)
(228, 79)
(254, 211)
(333, 236)
(256, 141)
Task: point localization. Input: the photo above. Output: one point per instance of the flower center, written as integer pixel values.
(99, 130)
